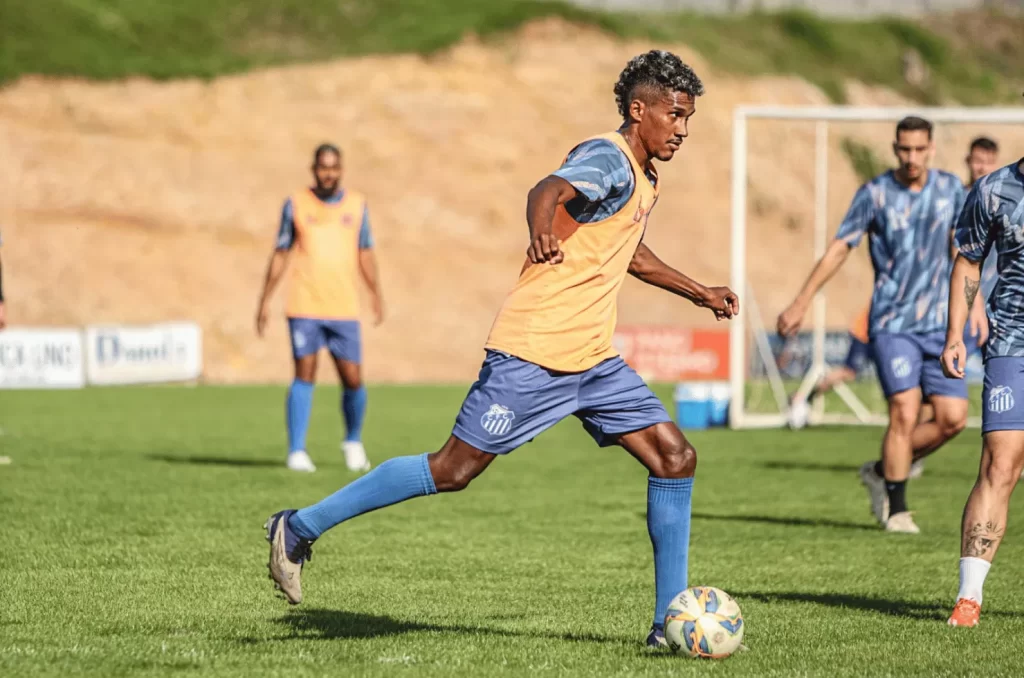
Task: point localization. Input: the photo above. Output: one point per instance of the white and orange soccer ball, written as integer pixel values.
(703, 621)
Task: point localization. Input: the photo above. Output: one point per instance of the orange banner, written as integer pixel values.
(674, 354)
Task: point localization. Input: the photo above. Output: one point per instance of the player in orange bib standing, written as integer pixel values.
(325, 238)
(550, 355)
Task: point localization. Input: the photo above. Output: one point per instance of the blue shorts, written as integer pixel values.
(513, 401)
(1004, 383)
(906, 361)
(341, 337)
(858, 356)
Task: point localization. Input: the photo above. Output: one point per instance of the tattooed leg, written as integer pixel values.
(984, 521)
(985, 514)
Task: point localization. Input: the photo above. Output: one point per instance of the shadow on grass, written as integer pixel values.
(216, 461)
(844, 468)
(809, 466)
(932, 611)
(322, 624)
(784, 520)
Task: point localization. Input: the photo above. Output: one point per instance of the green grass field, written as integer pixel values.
(133, 545)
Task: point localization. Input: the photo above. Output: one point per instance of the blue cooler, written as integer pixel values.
(720, 396)
(693, 405)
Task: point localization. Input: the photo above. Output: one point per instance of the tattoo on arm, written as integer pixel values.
(980, 539)
(970, 290)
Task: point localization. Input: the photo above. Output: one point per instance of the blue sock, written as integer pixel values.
(668, 523)
(353, 404)
(393, 481)
(299, 404)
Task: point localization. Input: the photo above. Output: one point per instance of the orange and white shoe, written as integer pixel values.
(965, 613)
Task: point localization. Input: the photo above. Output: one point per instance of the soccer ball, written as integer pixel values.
(704, 622)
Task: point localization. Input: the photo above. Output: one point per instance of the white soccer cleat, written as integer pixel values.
(902, 522)
(355, 456)
(916, 469)
(300, 461)
(875, 485)
(799, 412)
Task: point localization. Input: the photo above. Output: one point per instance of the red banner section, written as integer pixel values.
(674, 354)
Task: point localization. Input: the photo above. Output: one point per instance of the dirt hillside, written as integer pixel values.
(142, 201)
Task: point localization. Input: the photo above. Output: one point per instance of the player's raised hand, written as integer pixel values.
(262, 316)
(790, 320)
(545, 248)
(722, 301)
(954, 359)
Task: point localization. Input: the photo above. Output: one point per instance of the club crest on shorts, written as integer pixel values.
(497, 420)
(1000, 399)
(900, 367)
(298, 338)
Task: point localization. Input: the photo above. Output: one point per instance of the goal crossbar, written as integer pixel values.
(821, 116)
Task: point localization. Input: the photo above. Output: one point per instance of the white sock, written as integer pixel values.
(972, 577)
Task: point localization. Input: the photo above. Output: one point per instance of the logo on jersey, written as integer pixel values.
(498, 420)
(900, 367)
(640, 213)
(1000, 399)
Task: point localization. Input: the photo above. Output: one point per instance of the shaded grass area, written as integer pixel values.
(106, 39)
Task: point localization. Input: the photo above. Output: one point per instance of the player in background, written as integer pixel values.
(982, 158)
(908, 215)
(325, 236)
(990, 226)
(549, 354)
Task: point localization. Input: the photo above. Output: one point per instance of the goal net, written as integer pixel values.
(794, 173)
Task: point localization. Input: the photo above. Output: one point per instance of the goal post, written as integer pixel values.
(749, 332)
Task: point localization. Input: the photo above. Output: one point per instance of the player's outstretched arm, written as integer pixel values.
(275, 270)
(646, 266)
(963, 289)
(541, 202)
(368, 269)
(835, 256)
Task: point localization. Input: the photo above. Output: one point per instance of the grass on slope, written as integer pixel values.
(132, 546)
(116, 38)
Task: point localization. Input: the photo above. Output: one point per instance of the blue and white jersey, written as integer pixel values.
(909, 234)
(989, 276)
(993, 219)
(603, 178)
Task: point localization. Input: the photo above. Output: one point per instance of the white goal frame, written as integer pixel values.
(738, 357)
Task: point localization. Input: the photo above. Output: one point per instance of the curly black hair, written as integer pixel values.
(656, 69)
(325, 148)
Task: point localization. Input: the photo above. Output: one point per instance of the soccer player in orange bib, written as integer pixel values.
(549, 354)
(325, 236)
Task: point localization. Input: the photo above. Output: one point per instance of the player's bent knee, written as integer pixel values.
(678, 458)
(455, 465)
(952, 426)
(902, 420)
(1002, 473)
